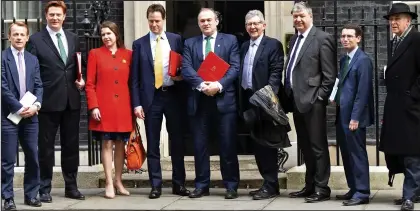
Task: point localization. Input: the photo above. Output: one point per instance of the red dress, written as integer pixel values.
(107, 89)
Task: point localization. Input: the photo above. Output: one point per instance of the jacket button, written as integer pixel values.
(116, 95)
(116, 81)
(396, 77)
(407, 92)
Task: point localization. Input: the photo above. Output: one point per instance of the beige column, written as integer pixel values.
(279, 23)
(136, 26)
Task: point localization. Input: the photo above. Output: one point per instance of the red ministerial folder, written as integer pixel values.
(174, 63)
(213, 68)
(79, 65)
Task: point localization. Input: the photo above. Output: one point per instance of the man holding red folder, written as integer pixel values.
(212, 100)
(154, 94)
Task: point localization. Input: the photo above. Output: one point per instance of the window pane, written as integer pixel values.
(28, 9)
(7, 9)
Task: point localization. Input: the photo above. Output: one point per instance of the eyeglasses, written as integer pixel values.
(348, 36)
(253, 24)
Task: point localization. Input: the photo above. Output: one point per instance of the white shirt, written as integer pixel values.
(53, 36)
(305, 34)
(351, 54)
(166, 49)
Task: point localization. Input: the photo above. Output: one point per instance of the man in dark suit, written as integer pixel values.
(212, 100)
(19, 74)
(154, 94)
(261, 65)
(56, 50)
(400, 136)
(354, 100)
(310, 76)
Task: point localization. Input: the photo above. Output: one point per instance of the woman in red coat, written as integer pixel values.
(108, 100)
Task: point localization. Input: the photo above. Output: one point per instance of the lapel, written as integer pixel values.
(353, 60)
(258, 53)
(245, 49)
(291, 44)
(306, 44)
(402, 47)
(28, 69)
(171, 41)
(12, 68)
(148, 44)
(47, 39)
(70, 46)
(200, 48)
(219, 42)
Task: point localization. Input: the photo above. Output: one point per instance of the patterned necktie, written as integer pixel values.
(343, 73)
(208, 45)
(291, 61)
(21, 70)
(61, 48)
(158, 65)
(395, 43)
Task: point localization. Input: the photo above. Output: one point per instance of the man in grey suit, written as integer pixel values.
(310, 75)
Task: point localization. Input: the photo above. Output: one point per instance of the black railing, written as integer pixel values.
(374, 31)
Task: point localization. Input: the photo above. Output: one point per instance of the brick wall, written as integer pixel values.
(356, 8)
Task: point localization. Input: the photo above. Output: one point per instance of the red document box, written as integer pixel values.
(79, 65)
(213, 68)
(174, 63)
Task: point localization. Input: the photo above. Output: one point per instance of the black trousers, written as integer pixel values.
(312, 139)
(68, 121)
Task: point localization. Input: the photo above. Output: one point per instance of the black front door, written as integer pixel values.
(182, 19)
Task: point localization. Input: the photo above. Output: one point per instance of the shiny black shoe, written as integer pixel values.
(253, 192)
(264, 194)
(302, 193)
(346, 196)
(199, 192)
(355, 201)
(74, 194)
(33, 202)
(317, 197)
(45, 198)
(231, 194)
(180, 190)
(407, 205)
(155, 193)
(9, 204)
(400, 201)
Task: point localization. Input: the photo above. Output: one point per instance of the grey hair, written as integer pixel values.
(216, 14)
(253, 13)
(301, 6)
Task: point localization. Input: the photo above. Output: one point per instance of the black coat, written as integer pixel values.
(400, 133)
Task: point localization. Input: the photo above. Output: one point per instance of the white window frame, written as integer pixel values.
(15, 15)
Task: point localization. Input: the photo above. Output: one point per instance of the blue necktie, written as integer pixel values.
(291, 61)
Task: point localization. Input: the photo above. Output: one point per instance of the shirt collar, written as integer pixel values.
(305, 34)
(351, 54)
(15, 51)
(405, 32)
(154, 36)
(52, 32)
(257, 41)
(213, 36)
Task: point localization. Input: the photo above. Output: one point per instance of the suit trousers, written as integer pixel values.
(355, 159)
(207, 113)
(26, 132)
(411, 185)
(68, 121)
(165, 103)
(312, 140)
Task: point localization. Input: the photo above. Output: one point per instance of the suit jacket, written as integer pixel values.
(356, 99)
(107, 89)
(267, 67)
(10, 89)
(142, 69)
(401, 120)
(226, 47)
(315, 69)
(57, 78)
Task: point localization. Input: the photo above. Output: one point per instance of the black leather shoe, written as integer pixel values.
(9, 204)
(346, 196)
(33, 202)
(252, 193)
(407, 205)
(180, 190)
(231, 194)
(302, 193)
(264, 194)
(74, 194)
(198, 193)
(355, 201)
(317, 197)
(155, 193)
(45, 197)
(400, 201)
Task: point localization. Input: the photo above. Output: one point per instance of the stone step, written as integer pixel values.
(248, 179)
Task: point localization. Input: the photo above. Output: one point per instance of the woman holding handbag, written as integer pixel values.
(108, 101)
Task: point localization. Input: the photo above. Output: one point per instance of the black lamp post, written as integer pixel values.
(86, 24)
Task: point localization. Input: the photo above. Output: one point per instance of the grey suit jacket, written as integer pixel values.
(315, 69)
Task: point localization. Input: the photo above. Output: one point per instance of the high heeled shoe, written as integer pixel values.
(109, 196)
(121, 193)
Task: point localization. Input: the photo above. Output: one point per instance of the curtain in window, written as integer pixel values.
(24, 9)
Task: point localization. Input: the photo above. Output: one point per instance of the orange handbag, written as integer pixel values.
(135, 152)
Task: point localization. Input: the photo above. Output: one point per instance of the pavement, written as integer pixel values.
(138, 200)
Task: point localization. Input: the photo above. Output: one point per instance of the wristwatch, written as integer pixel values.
(38, 105)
